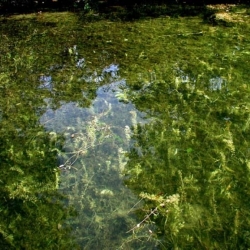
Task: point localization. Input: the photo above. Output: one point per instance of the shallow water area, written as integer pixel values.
(124, 135)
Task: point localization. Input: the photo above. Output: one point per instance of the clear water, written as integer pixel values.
(127, 135)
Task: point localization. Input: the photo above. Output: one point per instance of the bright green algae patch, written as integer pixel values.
(188, 162)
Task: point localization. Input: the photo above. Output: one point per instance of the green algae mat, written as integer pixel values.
(125, 135)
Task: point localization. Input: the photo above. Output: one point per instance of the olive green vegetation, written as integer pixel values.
(191, 163)
(187, 160)
(31, 208)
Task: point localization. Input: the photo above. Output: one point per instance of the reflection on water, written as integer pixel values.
(92, 162)
(217, 83)
(46, 82)
(93, 159)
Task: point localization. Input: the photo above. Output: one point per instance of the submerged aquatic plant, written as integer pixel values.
(122, 96)
(188, 162)
(187, 165)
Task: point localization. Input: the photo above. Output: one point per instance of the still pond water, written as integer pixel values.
(129, 135)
